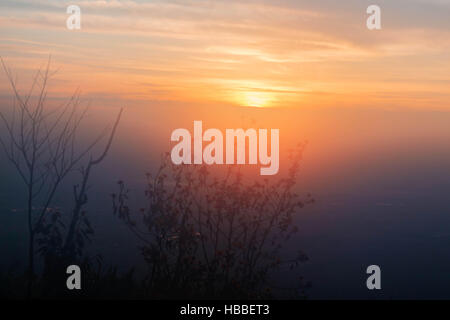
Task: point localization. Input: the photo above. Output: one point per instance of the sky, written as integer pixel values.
(282, 53)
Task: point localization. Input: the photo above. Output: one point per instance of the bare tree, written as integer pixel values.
(80, 195)
(60, 246)
(41, 144)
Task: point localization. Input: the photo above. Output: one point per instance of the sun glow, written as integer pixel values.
(255, 99)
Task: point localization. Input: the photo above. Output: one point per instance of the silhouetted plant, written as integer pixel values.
(41, 145)
(212, 236)
(60, 246)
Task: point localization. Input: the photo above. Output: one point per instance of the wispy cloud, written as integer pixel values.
(192, 48)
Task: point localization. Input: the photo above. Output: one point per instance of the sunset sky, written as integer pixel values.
(372, 108)
(283, 53)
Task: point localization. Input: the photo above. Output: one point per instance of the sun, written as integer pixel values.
(255, 99)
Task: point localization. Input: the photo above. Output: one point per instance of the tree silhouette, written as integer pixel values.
(41, 144)
(208, 235)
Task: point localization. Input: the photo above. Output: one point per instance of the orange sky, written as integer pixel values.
(246, 53)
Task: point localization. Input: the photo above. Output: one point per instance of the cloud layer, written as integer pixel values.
(283, 52)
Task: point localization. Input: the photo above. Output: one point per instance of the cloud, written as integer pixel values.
(188, 46)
